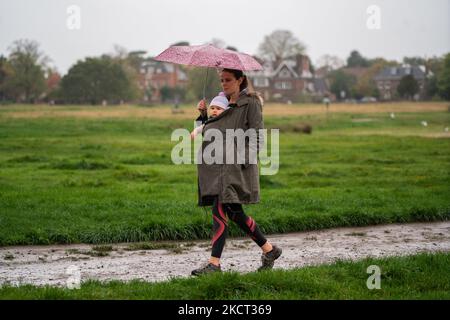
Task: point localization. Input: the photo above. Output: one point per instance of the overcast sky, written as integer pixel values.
(407, 27)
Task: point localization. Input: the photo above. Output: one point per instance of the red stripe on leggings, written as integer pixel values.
(251, 224)
(222, 214)
(220, 231)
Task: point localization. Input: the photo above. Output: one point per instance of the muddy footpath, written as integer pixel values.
(159, 261)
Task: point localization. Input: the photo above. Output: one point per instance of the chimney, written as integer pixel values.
(306, 66)
(302, 64)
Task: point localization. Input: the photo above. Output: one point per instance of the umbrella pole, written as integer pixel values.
(204, 84)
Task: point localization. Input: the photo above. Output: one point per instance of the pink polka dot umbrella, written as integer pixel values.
(208, 55)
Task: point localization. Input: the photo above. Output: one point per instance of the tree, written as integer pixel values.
(27, 82)
(231, 48)
(280, 45)
(94, 80)
(365, 85)
(341, 82)
(435, 65)
(175, 94)
(433, 68)
(444, 79)
(414, 61)
(6, 73)
(407, 87)
(218, 43)
(136, 58)
(330, 62)
(431, 87)
(130, 63)
(180, 43)
(357, 60)
(52, 80)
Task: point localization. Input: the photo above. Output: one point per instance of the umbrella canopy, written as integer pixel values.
(209, 56)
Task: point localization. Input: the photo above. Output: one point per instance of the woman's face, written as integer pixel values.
(229, 83)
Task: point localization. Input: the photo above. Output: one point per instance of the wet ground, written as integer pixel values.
(54, 265)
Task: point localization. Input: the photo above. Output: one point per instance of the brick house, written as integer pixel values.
(289, 80)
(155, 75)
(388, 79)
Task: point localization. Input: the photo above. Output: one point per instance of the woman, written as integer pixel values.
(226, 186)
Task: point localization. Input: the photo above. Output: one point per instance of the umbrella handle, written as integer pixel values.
(204, 84)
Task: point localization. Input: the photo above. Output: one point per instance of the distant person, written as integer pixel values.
(176, 106)
(326, 100)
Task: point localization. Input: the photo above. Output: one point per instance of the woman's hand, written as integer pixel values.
(201, 106)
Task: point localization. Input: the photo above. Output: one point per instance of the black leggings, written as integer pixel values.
(220, 225)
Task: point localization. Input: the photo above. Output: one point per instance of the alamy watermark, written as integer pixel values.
(374, 280)
(73, 21)
(74, 280)
(374, 20)
(231, 146)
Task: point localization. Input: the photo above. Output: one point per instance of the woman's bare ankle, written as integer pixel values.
(215, 261)
(267, 247)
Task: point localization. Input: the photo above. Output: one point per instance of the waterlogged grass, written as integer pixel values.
(103, 180)
(423, 276)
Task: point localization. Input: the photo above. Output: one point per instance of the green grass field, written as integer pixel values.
(423, 276)
(68, 179)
